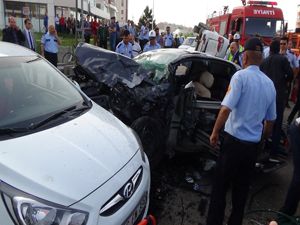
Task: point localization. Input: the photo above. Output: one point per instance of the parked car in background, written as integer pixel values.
(189, 43)
(64, 159)
(170, 97)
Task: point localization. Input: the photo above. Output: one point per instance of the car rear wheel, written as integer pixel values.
(151, 134)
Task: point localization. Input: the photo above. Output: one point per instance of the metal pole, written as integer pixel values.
(152, 14)
(76, 19)
(81, 15)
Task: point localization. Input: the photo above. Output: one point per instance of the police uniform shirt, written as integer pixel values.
(251, 97)
(50, 43)
(149, 47)
(169, 40)
(136, 49)
(124, 49)
(144, 34)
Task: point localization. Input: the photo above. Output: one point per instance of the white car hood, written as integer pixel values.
(69, 161)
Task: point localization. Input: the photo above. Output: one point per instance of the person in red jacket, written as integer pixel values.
(95, 25)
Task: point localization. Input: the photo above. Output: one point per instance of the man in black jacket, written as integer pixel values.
(13, 33)
(278, 69)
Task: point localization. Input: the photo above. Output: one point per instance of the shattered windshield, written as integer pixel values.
(157, 62)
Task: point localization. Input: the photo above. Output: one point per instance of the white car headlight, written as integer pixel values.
(29, 210)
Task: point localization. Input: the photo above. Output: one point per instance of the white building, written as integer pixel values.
(298, 18)
(122, 14)
(36, 9)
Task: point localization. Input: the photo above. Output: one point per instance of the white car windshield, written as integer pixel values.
(31, 89)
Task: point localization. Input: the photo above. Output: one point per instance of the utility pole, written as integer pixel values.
(81, 19)
(152, 14)
(76, 19)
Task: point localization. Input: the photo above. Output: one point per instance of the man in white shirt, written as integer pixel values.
(56, 19)
(29, 37)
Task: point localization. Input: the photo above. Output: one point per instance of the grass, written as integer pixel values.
(68, 40)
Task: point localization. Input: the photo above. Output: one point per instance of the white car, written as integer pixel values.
(64, 159)
(189, 43)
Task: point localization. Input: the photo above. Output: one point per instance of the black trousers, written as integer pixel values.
(295, 109)
(293, 195)
(276, 134)
(103, 43)
(51, 57)
(143, 43)
(235, 168)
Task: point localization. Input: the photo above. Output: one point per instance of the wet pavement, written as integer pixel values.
(176, 200)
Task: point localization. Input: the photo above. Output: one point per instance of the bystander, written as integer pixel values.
(13, 33)
(278, 69)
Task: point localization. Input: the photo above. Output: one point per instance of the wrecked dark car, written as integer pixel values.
(170, 97)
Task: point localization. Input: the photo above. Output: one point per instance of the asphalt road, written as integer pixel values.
(175, 202)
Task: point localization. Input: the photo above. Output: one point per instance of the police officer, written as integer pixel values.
(144, 35)
(49, 45)
(125, 47)
(168, 39)
(249, 101)
(152, 44)
(136, 48)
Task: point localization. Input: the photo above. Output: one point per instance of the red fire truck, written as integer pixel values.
(255, 18)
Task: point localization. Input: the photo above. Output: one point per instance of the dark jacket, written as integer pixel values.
(8, 36)
(278, 69)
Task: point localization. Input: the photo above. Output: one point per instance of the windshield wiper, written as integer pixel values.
(54, 116)
(73, 110)
(13, 130)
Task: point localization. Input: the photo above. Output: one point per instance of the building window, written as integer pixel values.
(98, 5)
(122, 11)
(122, 3)
(21, 10)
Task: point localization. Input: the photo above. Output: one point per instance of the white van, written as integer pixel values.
(64, 160)
(211, 42)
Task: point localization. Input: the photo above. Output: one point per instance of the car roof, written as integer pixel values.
(189, 53)
(12, 50)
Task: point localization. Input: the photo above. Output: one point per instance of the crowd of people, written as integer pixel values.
(252, 112)
(126, 40)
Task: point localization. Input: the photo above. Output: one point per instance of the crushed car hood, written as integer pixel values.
(69, 161)
(108, 67)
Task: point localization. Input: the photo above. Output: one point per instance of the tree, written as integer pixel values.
(146, 17)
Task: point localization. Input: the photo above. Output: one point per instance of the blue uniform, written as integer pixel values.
(124, 49)
(50, 43)
(149, 47)
(168, 41)
(251, 97)
(144, 34)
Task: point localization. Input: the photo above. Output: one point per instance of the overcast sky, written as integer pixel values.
(190, 12)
